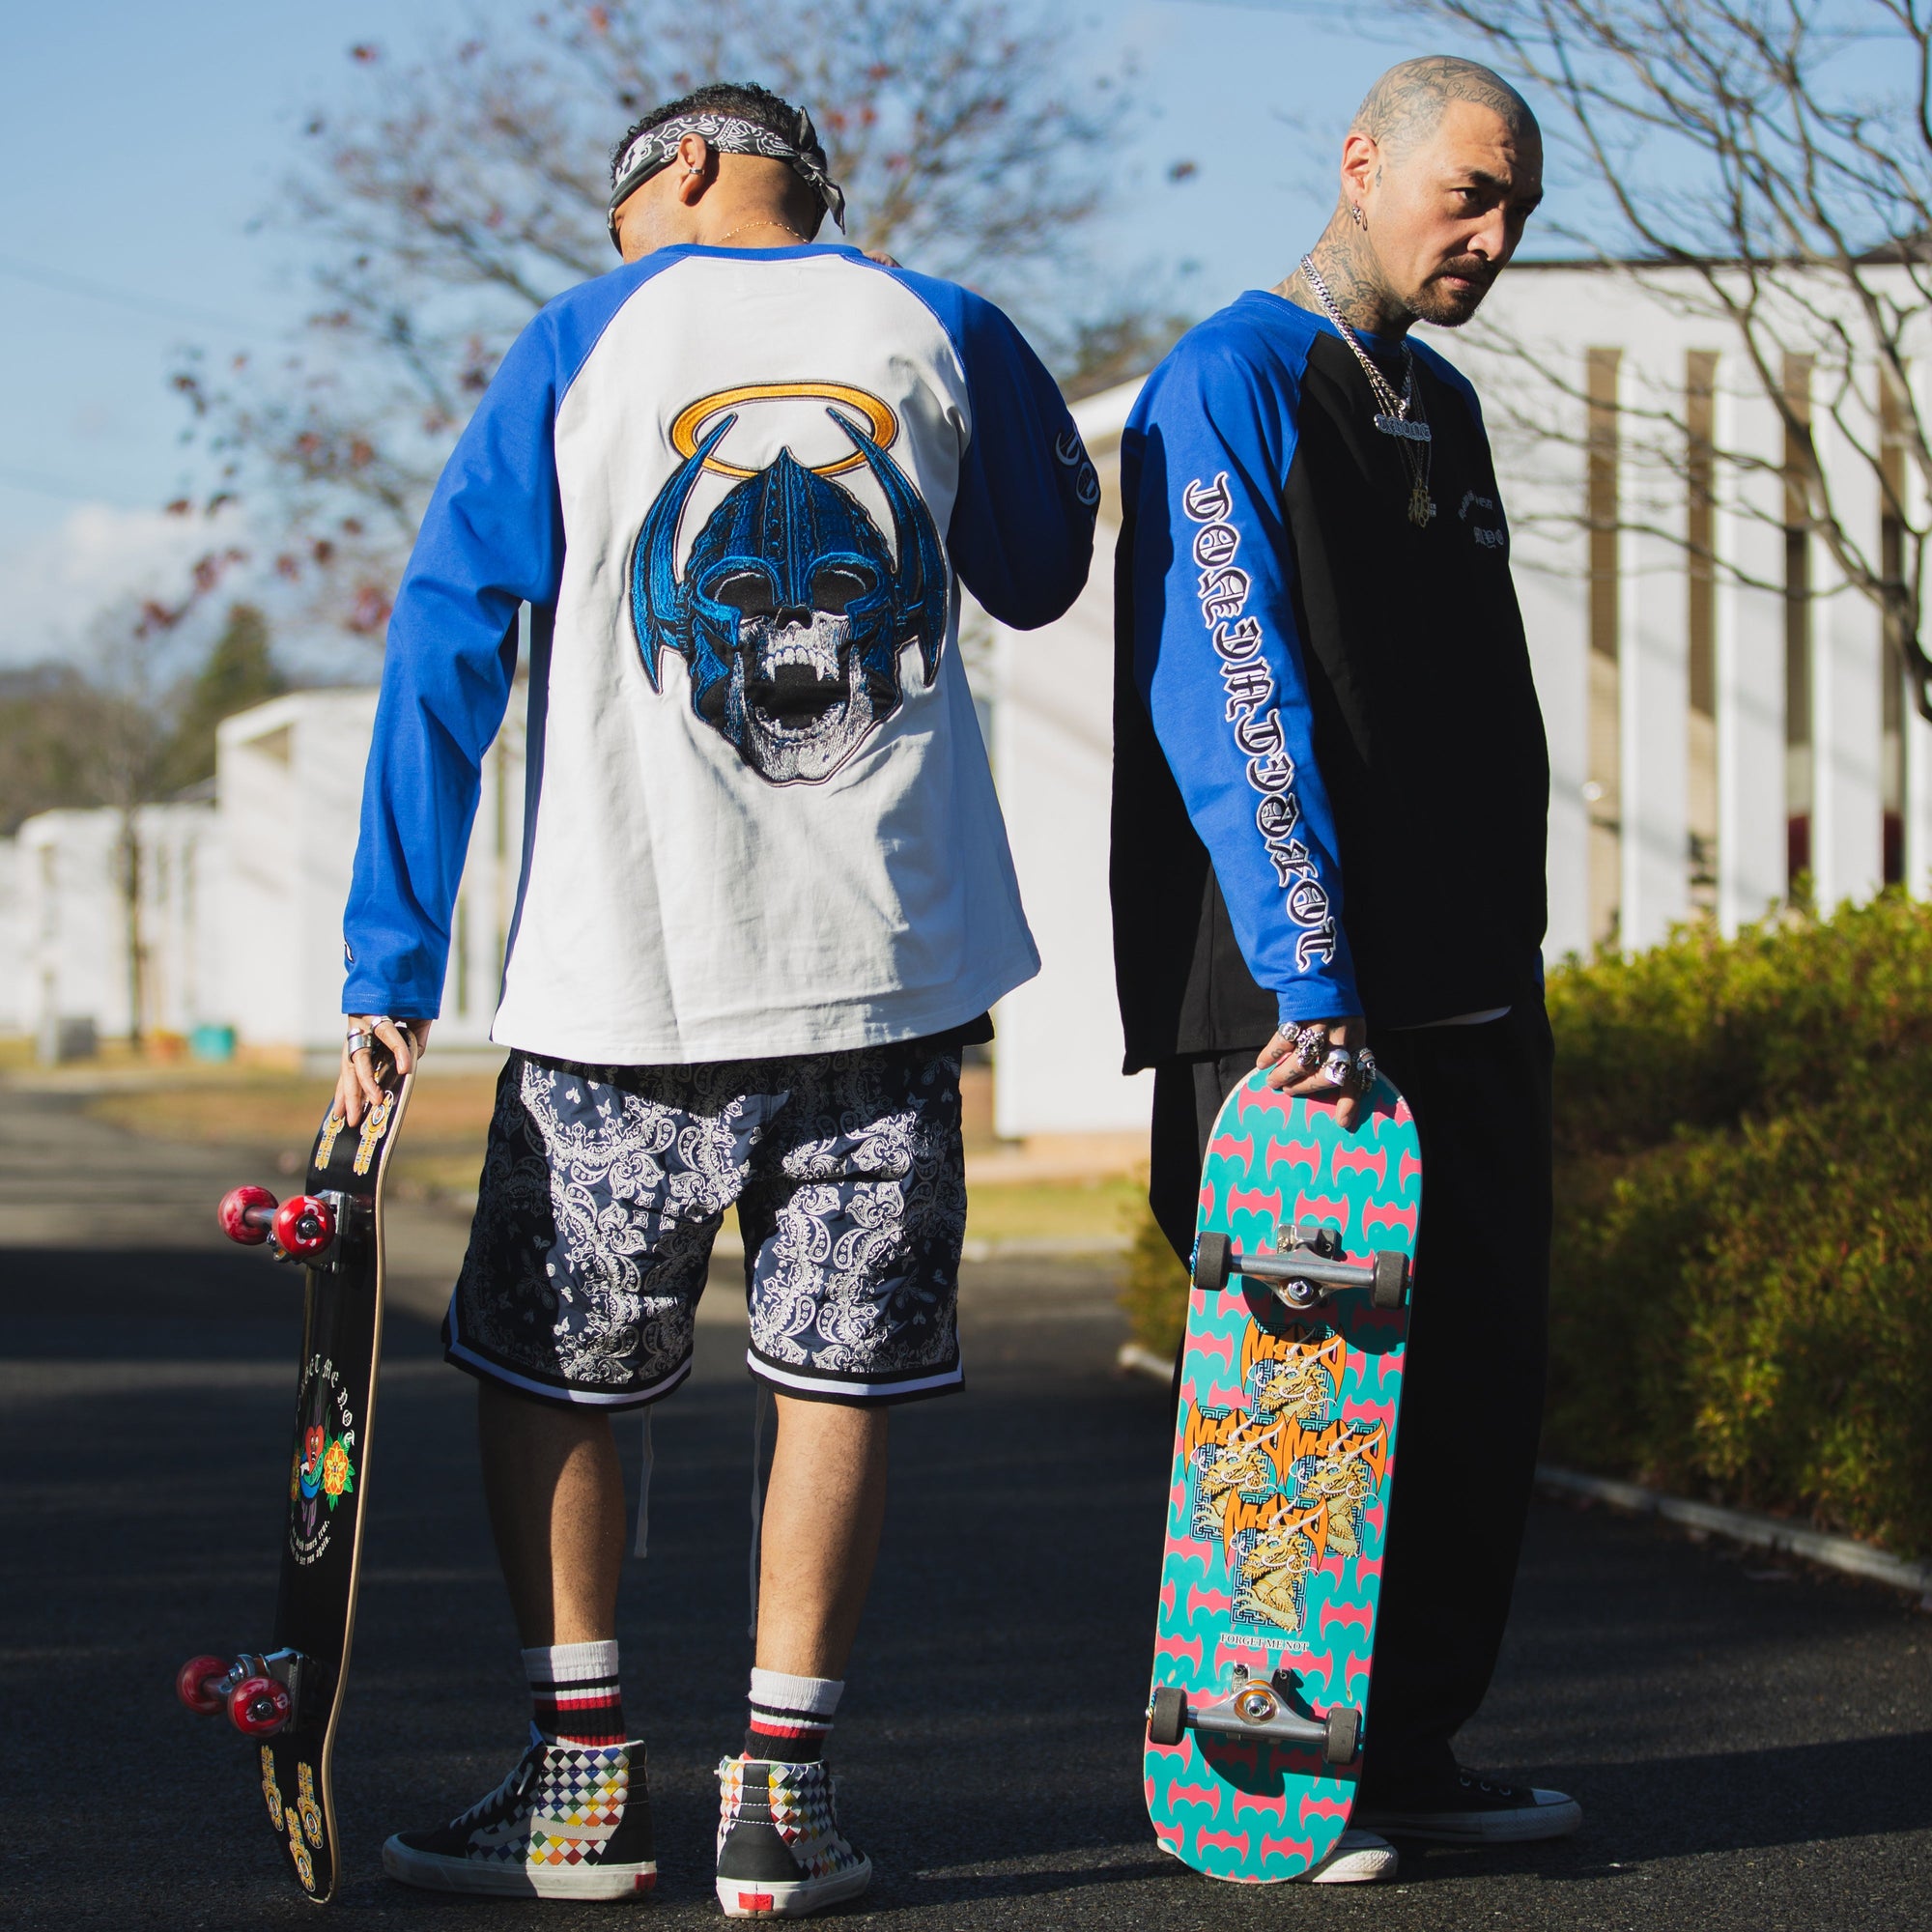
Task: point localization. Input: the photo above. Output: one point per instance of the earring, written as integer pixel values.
(1356, 213)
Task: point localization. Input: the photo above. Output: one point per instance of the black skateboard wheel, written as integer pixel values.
(1345, 1730)
(1212, 1256)
(1167, 1722)
(1391, 1289)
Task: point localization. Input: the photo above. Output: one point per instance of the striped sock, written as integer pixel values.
(574, 1692)
(790, 1716)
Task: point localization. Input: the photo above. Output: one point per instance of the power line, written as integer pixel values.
(155, 305)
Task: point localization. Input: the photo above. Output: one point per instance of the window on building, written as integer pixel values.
(1798, 757)
(1700, 532)
(1892, 668)
(1603, 788)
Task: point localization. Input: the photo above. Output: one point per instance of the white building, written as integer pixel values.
(240, 906)
(76, 929)
(1708, 740)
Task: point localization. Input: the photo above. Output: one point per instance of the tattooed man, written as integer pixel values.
(1330, 790)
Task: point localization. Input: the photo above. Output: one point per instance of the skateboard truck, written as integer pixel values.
(260, 1695)
(1255, 1707)
(1306, 1274)
(305, 1228)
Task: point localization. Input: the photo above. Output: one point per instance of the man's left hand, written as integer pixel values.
(1346, 1037)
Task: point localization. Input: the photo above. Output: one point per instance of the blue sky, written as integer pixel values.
(142, 145)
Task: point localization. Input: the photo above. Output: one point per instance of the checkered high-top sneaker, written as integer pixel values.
(780, 1850)
(571, 1821)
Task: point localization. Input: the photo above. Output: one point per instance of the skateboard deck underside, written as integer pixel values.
(327, 1490)
(1285, 1438)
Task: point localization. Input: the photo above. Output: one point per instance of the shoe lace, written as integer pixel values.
(514, 1787)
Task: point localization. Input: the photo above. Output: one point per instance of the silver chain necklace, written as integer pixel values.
(1393, 418)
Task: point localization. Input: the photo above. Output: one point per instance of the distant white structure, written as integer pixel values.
(1057, 1059)
(239, 910)
(14, 1016)
(73, 919)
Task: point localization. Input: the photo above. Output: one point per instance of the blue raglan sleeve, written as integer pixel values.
(1022, 531)
(491, 541)
(1219, 659)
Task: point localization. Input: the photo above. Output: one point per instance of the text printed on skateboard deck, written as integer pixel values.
(1285, 1438)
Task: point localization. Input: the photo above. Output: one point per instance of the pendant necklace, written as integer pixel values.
(1399, 415)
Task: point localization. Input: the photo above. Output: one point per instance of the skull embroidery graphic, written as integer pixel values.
(793, 610)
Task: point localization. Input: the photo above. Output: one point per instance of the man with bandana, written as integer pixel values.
(1329, 803)
(766, 900)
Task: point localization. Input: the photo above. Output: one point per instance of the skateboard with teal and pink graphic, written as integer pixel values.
(1291, 1381)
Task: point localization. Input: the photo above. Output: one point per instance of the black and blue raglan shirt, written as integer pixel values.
(1330, 776)
(737, 490)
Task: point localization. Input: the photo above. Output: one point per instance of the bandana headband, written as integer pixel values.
(656, 148)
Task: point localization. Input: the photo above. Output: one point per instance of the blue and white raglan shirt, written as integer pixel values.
(735, 487)
(1327, 743)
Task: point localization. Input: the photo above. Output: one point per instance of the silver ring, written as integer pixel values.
(1311, 1046)
(1339, 1069)
(359, 1040)
(1366, 1070)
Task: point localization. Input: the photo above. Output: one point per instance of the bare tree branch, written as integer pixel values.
(1774, 158)
(444, 202)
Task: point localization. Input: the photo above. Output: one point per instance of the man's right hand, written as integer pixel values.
(1349, 1034)
(356, 1086)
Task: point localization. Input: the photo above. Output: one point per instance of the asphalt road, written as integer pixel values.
(1752, 1745)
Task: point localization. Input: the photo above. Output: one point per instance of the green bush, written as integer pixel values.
(1154, 1292)
(1742, 1303)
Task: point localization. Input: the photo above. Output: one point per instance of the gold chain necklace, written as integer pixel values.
(762, 221)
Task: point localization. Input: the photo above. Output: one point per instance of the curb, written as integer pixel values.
(1135, 1360)
(1843, 1554)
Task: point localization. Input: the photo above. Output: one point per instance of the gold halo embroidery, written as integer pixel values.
(884, 424)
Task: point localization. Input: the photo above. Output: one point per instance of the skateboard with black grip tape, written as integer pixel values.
(287, 1697)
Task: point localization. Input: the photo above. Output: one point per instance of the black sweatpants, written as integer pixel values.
(1472, 1389)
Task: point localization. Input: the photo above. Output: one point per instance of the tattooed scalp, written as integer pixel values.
(1406, 105)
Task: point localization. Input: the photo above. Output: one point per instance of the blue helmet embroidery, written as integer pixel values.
(793, 610)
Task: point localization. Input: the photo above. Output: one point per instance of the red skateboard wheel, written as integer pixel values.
(258, 1706)
(304, 1225)
(245, 1213)
(194, 1681)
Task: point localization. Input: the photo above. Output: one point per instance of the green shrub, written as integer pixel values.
(1704, 1032)
(1749, 1316)
(1154, 1292)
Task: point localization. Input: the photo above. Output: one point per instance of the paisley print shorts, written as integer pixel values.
(604, 1187)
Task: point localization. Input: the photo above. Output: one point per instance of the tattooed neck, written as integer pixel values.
(1347, 264)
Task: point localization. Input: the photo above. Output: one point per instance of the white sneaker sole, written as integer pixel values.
(792, 1898)
(1361, 1863)
(1518, 1825)
(433, 1872)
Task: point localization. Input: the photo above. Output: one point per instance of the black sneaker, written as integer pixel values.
(1470, 1811)
(780, 1853)
(571, 1821)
